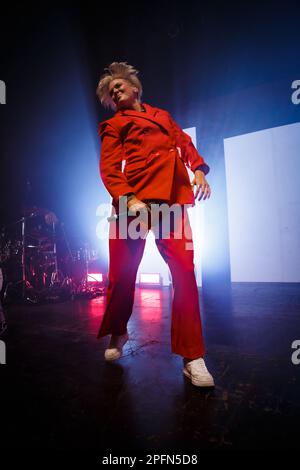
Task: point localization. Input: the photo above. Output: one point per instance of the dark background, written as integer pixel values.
(223, 67)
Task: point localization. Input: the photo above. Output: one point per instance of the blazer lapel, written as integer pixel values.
(151, 114)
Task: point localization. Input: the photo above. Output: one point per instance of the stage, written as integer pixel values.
(60, 394)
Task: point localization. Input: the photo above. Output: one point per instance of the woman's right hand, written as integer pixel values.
(135, 205)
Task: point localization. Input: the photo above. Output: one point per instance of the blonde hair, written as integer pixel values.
(113, 71)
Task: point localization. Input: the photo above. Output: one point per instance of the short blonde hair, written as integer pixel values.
(113, 71)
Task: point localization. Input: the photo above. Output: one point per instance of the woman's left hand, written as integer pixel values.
(202, 186)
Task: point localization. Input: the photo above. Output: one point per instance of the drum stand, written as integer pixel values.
(55, 274)
(24, 280)
(23, 283)
(86, 287)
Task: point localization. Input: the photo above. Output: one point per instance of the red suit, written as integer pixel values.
(155, 150)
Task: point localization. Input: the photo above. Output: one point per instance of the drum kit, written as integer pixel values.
(34, 270)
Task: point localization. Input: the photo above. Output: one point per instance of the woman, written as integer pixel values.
(156, 152)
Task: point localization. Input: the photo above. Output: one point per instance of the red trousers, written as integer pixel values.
(125, 257)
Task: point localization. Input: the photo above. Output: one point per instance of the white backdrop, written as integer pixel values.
(263, 196)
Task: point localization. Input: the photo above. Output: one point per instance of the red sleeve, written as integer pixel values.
(189, 153)
(111, 162)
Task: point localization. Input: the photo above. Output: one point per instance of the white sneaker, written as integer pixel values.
(115, 348)
(196, 371)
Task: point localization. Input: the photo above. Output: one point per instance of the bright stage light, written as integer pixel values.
(95, 277)
(150, 279)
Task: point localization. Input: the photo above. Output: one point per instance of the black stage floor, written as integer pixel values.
(59, 394)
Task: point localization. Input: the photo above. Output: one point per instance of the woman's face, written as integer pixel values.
(123, 93)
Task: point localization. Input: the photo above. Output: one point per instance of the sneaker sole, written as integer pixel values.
(117, 355)
(112, 358)
(209, 383)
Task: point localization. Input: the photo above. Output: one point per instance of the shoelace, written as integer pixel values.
(199, 363)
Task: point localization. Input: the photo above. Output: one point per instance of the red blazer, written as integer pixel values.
(155, 150)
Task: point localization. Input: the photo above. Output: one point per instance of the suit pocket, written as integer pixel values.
(135, 167)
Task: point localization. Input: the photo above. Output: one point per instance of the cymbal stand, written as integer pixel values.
(24, 281)
(55, 274)
(23, 221)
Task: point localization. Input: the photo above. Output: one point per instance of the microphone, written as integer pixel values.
(124, 214)
(121, 214)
